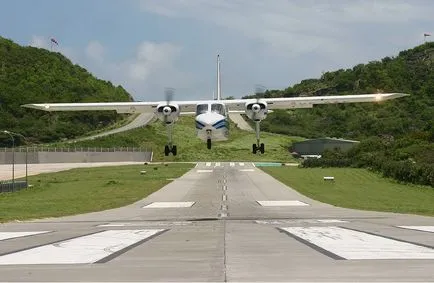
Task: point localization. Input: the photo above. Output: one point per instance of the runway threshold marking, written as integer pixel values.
(341, 243)
(204, 171)
(419, 228)
(11, 235)
(208, 164)
(99, 247)
(247, 170)
(281, 203)
(169, 204)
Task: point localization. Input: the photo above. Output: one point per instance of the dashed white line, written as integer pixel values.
(281, 203)
(169, 204)
(419, 228)
(11, 235)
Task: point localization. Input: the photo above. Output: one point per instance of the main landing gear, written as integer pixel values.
(169, 148)
(258, 146)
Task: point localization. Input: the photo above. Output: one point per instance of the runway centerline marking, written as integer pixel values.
(12, 235)
(86, 249)
(168, 204)
(281, 203)
(419, 228)
(351, 244)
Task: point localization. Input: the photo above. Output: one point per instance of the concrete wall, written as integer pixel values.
(74, 157)
(317, 146)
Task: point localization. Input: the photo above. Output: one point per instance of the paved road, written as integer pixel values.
(35, 169)
(219, 223)
(142, 120)
(240, 122)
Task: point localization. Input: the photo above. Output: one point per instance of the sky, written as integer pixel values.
(149, 45)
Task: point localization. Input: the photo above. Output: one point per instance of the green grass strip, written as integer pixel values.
(356, 188)
(85, 190)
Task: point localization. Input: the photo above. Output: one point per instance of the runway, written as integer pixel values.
(222, 221)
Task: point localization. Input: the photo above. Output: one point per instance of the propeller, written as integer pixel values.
(167, 110)
(259, 93)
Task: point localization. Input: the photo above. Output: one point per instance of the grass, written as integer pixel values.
(357, 188)
(85, 190)
(191, 148)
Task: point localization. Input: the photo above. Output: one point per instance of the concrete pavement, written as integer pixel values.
(224, 224)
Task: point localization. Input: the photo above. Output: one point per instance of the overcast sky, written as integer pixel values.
(147, 45)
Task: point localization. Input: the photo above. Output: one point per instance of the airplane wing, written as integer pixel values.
(238, 105)
(186, 107)
(234, 106)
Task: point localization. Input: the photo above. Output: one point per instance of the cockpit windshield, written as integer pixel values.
(218, 108)
(201, 108)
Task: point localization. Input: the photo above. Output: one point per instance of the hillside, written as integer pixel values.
(35, 75)
(191, 148)
(397, 137)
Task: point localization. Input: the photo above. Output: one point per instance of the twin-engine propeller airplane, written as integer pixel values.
(212, 115)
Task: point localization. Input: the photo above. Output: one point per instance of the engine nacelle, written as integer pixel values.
(167, 113)
(257, 111)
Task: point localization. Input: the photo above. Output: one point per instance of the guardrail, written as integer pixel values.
(9, 186)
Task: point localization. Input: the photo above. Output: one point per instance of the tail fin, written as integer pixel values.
(219, 94)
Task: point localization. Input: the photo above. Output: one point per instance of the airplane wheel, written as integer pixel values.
(254, 148)
(262, 148)
(208, 143)
(166, 150)
(174, 150)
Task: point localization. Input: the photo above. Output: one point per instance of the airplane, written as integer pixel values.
(212, 115)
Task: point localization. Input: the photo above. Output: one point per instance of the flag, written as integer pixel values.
(426, 34)
(54, 41)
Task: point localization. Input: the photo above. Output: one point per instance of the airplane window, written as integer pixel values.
(201, 108)
(218, 108)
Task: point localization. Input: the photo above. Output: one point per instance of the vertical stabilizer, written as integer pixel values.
(219, 94)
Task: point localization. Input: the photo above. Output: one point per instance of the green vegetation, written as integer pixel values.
(35, 75)
(356, 188)
(86, 190)
(397, 137)
(191, 148)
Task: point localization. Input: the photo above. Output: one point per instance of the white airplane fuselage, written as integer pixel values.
(212, 121)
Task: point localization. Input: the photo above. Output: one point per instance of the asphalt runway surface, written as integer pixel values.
(222, 221)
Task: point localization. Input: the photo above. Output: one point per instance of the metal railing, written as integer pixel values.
(76, 149)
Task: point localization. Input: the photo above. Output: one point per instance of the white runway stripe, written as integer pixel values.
(241, 163)
(247, 170)
(350, 244)
(281, 203)
(204, 171)
(169, 204)
(11, 235)
(86, 249)
(208, 164)
(419, 228)
(232, 164)
(217, 164)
